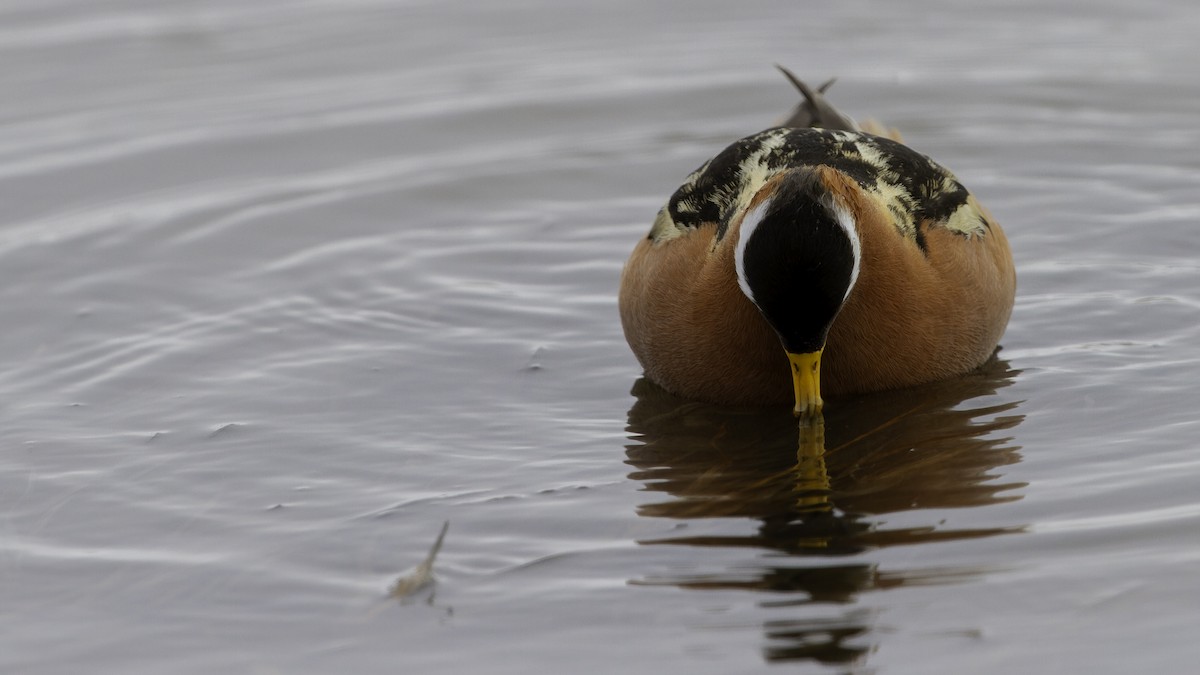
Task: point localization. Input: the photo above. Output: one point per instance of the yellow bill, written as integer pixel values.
(806, 376)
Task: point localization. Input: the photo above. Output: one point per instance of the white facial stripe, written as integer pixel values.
(843, 218)
(749, 222)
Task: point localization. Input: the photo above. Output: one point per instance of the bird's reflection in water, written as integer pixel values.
(821, 495)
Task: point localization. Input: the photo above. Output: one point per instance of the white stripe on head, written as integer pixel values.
(843, 218)
(754, 217)
(749, 222)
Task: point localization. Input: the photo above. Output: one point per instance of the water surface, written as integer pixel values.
(287, 285)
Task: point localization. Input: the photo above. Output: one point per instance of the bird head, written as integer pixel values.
(797, 259)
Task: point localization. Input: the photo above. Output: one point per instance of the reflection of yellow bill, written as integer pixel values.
(812, 479)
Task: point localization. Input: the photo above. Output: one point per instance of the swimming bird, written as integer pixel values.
(815, 258)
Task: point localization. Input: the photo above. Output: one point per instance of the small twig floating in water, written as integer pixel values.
(422, 575)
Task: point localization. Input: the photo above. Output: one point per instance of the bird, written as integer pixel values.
(817, 257)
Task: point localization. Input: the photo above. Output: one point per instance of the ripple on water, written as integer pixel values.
(287, 285)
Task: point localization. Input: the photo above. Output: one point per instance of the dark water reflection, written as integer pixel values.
(819, 493)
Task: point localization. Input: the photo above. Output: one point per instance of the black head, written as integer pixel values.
(797, 257)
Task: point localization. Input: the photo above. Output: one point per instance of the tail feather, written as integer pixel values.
(814, 110)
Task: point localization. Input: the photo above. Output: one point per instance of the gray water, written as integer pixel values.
(287, 285)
